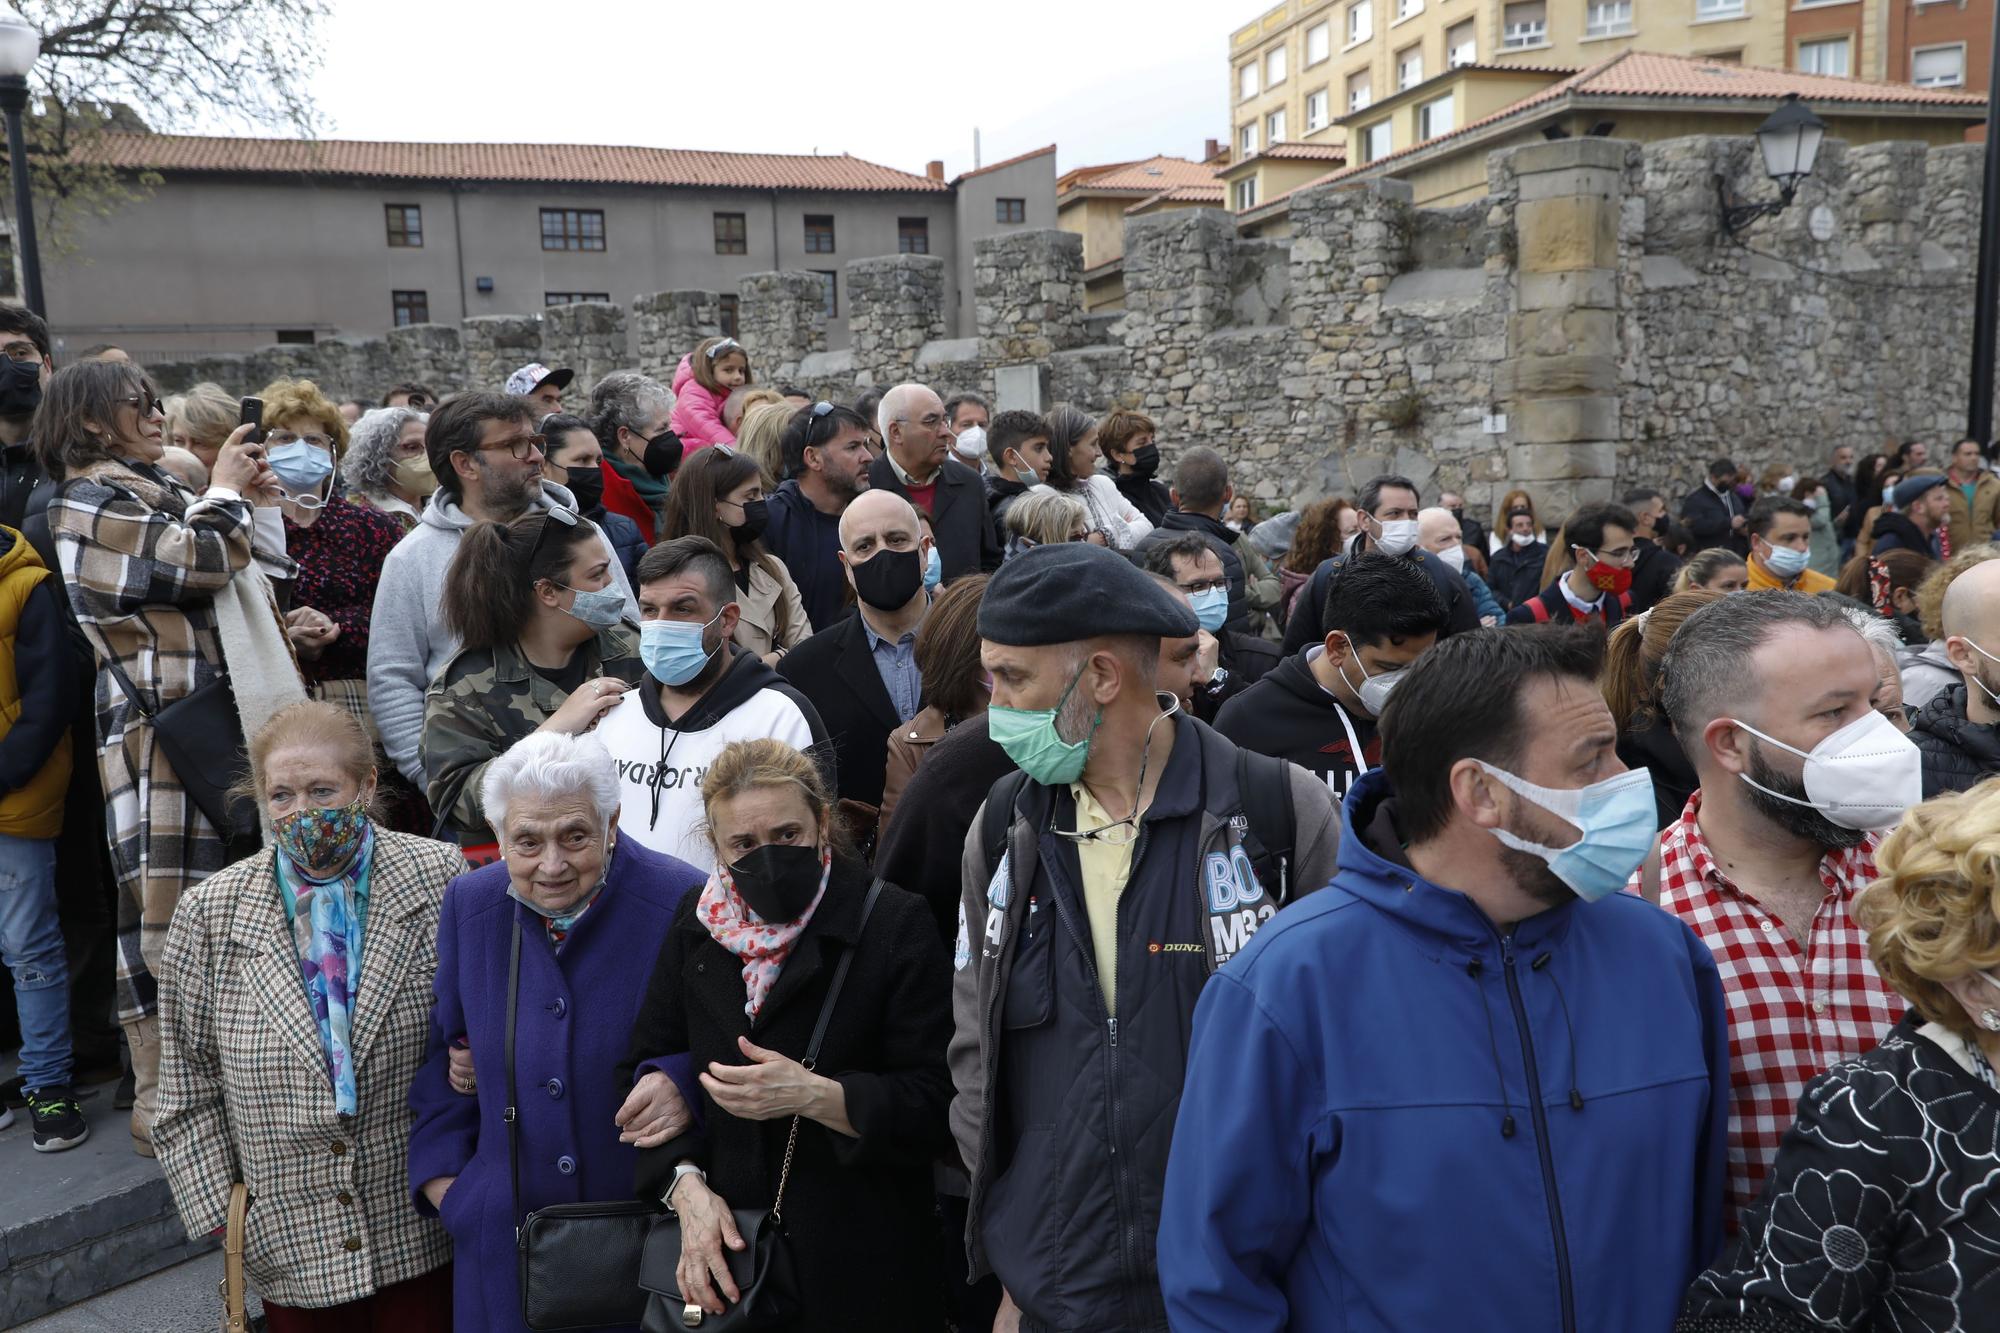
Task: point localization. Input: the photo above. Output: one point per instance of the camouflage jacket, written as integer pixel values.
(486, 699)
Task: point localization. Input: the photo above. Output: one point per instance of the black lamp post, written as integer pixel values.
(1789, 141)
(19, 45)
(1979, 412)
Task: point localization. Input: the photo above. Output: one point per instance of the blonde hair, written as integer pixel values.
(1046, 517)
(744, 766)
(1705, 565)
(762, 437)
(1630, 681)
(314, 723)
(288, 400)
(1933, 913)
(741, 399)
(207, 413)
(702, 363)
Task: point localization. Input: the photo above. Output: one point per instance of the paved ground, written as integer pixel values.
(181, 1299)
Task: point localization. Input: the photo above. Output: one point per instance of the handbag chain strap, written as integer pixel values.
(819, 1036)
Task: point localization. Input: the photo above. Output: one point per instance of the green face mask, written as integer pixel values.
(1030, 740)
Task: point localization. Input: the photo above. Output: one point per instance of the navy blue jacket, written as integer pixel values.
(809, 544)
(1341, 1160)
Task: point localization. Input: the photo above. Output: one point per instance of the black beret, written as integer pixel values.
(1066, 592)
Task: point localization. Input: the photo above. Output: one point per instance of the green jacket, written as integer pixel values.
(485, 700)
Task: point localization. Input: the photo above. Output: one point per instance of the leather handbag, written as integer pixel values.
(579, 1262)
(235, 1318)
(762, 1270)
(202, 737)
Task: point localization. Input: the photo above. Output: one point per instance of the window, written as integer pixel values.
(913, 236)
(1375, 141)
(1718, 9)
(1010, 210)
(1408, 8)
(1246, 141)
(1524, 25)
(1360, 21)
(1434, 118)
(1319, 42)
(296, 337)
(829, 282)
(1317, 106)
(819, 234)
(1274, 67)
(726, 306)
(1358, 94)
(1938, 67)
(1827, 56)
(1461, 46)
(572, 229)
(1607, 18)
(1246, 82)
(406, 226)
(1245, 195)
(411, 307)
(573, 298)
(1409, 67)
(1274, 127)
(732, 234)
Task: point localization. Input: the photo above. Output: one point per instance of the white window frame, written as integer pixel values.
(1523, 37)
(1617, 26)
(1468, 50)
(1322, 100)
(1365, 138)
(1246, 140)
(1275, 127)
(1357, 33)
(1246, 80)
(1366, 91)
(1715, 11)
(1841, 40)
(1274, 67)
(1403, 58)
(1406, 9)
(1319, 37)
(1425, 128)
(1958, 47)
(1244, 194)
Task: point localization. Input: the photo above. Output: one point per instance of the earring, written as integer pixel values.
(1990, 1019)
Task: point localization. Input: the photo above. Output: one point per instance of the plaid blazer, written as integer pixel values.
(244, 1091)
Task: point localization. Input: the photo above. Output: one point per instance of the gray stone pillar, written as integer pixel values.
(430, 354)
(895, 304)
(1028, 295)
(782, 316)
(667, 326)
(589, 338)
(496, 346)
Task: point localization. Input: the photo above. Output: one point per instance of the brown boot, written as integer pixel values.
(142, 1039)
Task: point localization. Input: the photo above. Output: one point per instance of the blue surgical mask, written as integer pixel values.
(672, 649)
(600, 609)
(1618, 821)
(300, 466)
(933, 569)
(1784, 561)
(1211, 607)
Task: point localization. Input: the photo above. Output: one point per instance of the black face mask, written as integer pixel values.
(777, 882)
(587, 485)
(663, 455)
(755, 515)
(1457, 513)
(889, 579)
(1146, 461)
(20, 387)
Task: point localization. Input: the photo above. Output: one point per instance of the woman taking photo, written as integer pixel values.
(1073, 471)
(1880, 1212)
(740, 986)
(144, 562)
(295, 994)
(719, 494)
(543, 646)
(386, 468)
(588, 910)
(947, 653)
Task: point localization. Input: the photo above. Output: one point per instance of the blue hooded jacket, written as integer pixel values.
(1398, 1117)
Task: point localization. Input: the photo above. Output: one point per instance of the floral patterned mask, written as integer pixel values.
(321, 841)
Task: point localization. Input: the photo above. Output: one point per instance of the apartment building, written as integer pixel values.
(244, 242)
(1931, 43)
(1304, 65)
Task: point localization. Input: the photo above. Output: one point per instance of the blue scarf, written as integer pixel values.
(326, 916)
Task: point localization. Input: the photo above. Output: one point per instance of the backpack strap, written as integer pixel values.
(1624, 604)
(999, 816)
(1538, 609)
(1264, 788)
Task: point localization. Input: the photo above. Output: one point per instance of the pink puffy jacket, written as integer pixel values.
(697, 417)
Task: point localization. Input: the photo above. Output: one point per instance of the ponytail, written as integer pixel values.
(489, 591)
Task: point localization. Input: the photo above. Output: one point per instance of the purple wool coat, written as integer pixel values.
(576, 1012)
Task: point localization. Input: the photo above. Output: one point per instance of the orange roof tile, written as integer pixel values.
(1010, 162)
(588, 164)
(1182, 194)
(1148, 177)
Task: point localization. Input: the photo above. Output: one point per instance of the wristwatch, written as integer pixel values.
(682, 1170)
(1216, 682)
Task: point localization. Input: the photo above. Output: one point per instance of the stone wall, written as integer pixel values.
(1586, 327)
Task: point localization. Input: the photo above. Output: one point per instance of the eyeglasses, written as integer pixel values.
(553, 515)
(820, 411)
(145, 403)
(519, 447)
(22, 351)
(418, 401)
(1192, 588)
(314, 439)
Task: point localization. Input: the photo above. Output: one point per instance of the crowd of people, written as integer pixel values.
(954, 876)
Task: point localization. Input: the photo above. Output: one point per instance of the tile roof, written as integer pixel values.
(1148, 177)
(1010, 162)
(584, 164)
(1645, 74)
(1303, 152)
(1182, 194)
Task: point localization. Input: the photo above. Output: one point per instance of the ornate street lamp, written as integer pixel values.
(20, 43)
(1789, 142)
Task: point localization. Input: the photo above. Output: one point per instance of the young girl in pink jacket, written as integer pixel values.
(702, 383)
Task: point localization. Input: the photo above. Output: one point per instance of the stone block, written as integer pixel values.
(1568, 154)
(1566, 233)
(1563, 420)
(1562, 462)
(1532, 377)
(1578, 287)
(1560, 332)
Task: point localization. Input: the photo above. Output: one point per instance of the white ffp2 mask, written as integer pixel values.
(1863, 776)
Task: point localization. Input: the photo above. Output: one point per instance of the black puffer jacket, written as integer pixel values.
(1958, 753)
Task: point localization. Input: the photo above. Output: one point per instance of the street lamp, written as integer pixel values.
(1789, 142)
(20, 43)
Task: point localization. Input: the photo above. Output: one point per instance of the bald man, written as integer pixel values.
(861, 672)
(1958, 731)
(916, 463)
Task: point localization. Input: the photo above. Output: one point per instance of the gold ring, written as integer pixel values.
(691, 1315)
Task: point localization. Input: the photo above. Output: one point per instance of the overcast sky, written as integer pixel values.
(899, 84)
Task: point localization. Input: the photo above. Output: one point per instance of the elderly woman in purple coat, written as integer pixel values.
(593, 909)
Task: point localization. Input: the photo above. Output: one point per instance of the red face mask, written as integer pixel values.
(1614, 579)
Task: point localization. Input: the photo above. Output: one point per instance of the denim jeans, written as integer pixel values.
(31, 945)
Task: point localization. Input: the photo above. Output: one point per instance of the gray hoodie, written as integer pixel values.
(407, 641)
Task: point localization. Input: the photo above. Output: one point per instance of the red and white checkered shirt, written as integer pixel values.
(1793, 1013)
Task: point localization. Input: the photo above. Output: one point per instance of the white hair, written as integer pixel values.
(891, 407)
(1879, 632)
(548, 766)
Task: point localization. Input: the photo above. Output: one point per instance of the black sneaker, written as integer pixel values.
(59, 1121)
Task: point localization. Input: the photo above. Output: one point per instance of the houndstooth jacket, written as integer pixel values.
(244, 1091)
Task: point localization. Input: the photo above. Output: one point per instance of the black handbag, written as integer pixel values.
(579, 1262)
(202, 737)
(762, 1270)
